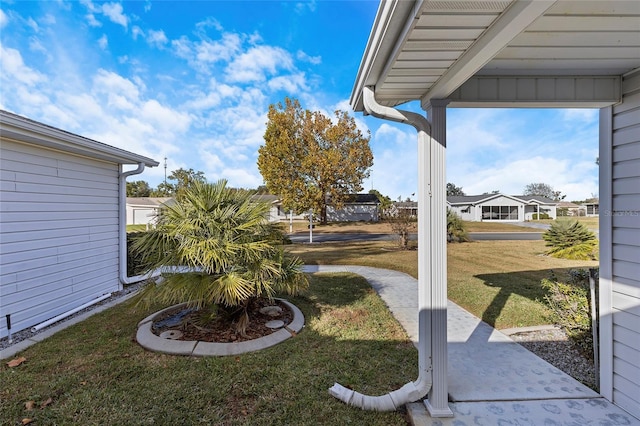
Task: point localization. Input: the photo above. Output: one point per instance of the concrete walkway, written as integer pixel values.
(492, 379)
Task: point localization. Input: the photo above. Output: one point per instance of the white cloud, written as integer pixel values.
(48, 19)
(257, 63)
(209, 22)
(33, 24)
(157, 38)
(302, 56)
(136, 32)
(114, 12)
(121, 93)
(240, 177)
(3, 19)
(302, 7)
(289, 83)
(92, 21)
(13, 67)
(202, 54)
(103, 42)
(580, 114)
(394, 171)
(164, 119)
(35, 44)
(222, 50)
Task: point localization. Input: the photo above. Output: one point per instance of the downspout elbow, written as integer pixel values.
(410, 392)
(372, 107)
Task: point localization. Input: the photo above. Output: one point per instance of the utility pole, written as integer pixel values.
(165, 172)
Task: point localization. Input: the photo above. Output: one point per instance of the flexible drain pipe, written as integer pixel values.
(124, 279)
(411, 391)
(69, 313)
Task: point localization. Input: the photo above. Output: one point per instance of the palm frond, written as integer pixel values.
(223, 234)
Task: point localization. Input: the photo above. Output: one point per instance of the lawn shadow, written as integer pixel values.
(521, 283)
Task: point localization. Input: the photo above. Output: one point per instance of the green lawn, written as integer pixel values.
(592, 222)
(498, 281)
(95, 373)
(136, 228)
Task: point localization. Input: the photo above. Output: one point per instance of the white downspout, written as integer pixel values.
(411, 391)
(122, 222)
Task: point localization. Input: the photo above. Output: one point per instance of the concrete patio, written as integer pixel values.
(492, 379)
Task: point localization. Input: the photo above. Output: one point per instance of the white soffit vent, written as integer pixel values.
(467, 6)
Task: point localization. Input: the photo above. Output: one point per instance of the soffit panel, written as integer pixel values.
(573, 38)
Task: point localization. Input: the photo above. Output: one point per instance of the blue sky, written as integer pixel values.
(192, 81)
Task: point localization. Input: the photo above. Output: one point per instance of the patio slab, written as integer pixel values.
(492, 379)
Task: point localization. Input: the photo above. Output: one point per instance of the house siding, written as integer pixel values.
(59, 234)
(353, 213)
(625, 258)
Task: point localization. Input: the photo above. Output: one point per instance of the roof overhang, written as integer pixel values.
(500, 53)
(24, 130)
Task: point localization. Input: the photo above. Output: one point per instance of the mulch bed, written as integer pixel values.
(223, 328)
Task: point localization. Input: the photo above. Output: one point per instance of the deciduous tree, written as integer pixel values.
(452, 189)
(138, 188)
(183, 180)
(543, 190)
(308, 159)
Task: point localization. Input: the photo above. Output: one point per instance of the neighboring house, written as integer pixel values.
(567, 208)
(277, 213)
(499, 207)
(356, 208)
(407, 207)
(62, 224)
(517, 54)
(593, 209)
(145, 210)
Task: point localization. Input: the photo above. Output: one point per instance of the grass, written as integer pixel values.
(497, 227)
(95, 373)
(498, 281)
(136, 228)
(591, 222)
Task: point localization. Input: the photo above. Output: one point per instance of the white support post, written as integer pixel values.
(606, 255)
(436, 201)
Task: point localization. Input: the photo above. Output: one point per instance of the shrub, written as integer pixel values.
(571, 306)
(570, 240)
(402, 223)
(541, 215)
(134, 258)
(456, 231)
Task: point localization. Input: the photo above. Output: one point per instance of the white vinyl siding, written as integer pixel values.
(59, 235)
(625, 266)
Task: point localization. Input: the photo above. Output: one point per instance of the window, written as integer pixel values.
(500, 212)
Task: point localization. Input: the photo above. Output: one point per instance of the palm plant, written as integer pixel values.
(570, 240)
(455, 227)
(217, 250)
